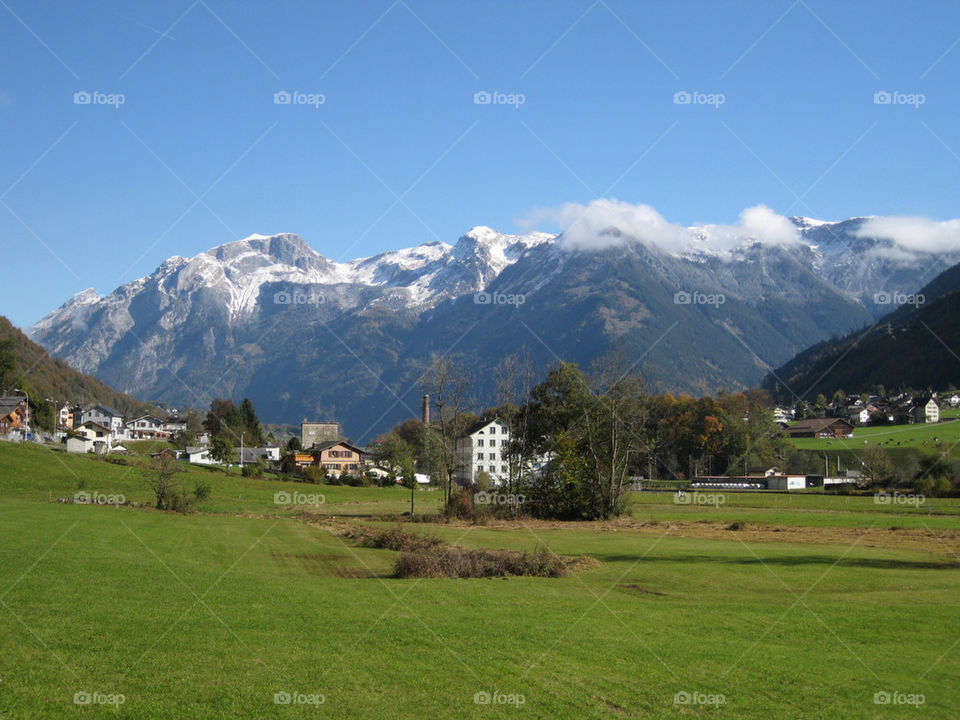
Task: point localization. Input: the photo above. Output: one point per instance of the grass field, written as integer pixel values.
(219, 613)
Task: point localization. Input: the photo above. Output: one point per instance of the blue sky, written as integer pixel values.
(399, 153)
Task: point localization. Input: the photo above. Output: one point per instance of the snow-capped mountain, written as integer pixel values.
(303, 335)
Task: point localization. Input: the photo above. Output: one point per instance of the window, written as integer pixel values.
(493, 429)
(480, 442)
(503, 469)
(493, 442)
(479, 456)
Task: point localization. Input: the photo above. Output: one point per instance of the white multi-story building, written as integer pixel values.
(484, 449)
(103, 415)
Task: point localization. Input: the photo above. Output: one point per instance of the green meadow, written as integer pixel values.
(899, 440)
(253, 609)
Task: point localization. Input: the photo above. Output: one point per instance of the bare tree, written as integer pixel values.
(449, 387)
(162, 478)
(514, 380)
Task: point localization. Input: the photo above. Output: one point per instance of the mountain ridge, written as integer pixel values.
(270, 318)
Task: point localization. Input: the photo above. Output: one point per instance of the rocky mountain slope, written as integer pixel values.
(304, 336)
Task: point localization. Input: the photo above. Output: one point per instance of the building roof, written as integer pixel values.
(107, 410)
(10, 403)
(816, 425)
(327, 444)
(481, 424)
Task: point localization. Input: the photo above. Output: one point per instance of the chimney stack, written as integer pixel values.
(425, 414)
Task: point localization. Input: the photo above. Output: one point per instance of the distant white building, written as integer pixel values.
(484, 449)
(926, 409)
(198, 456)
(91, 437)
(104, 415)
(146, 427)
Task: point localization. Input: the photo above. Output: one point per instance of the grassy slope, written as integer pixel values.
(209, 615)
(898, 440)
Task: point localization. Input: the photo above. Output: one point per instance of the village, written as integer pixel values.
(482, 457)
(102, 430)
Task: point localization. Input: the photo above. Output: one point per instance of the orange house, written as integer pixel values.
(339, 456)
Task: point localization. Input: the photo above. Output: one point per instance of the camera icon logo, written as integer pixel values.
(482, 98)
(682, 98)
(882, 298)
(481, 498)
(82, 497)
(682, 698)
(282, 298)
(282, 498)
(281, 98)
(682, 298)
(882, 97)
(82, 698)
(482, 698)
(82, 97)
(481, 298)
(882, 698)
(281, 698)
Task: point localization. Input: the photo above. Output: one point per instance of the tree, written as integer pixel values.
(293, 444)
(877, 463)
(449, 387)
(250, 423)
(222, 450)
(162, 478)
(226, 419)
(590, 432)
(395, 455)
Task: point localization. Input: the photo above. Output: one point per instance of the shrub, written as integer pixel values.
(202, 490)
(453, 561)
(315, 475)
(392, 539)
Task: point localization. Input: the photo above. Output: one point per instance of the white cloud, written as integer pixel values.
(609, 223)
(914, 233)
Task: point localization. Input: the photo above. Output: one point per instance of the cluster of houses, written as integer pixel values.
(843, 415)
(102, 429)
